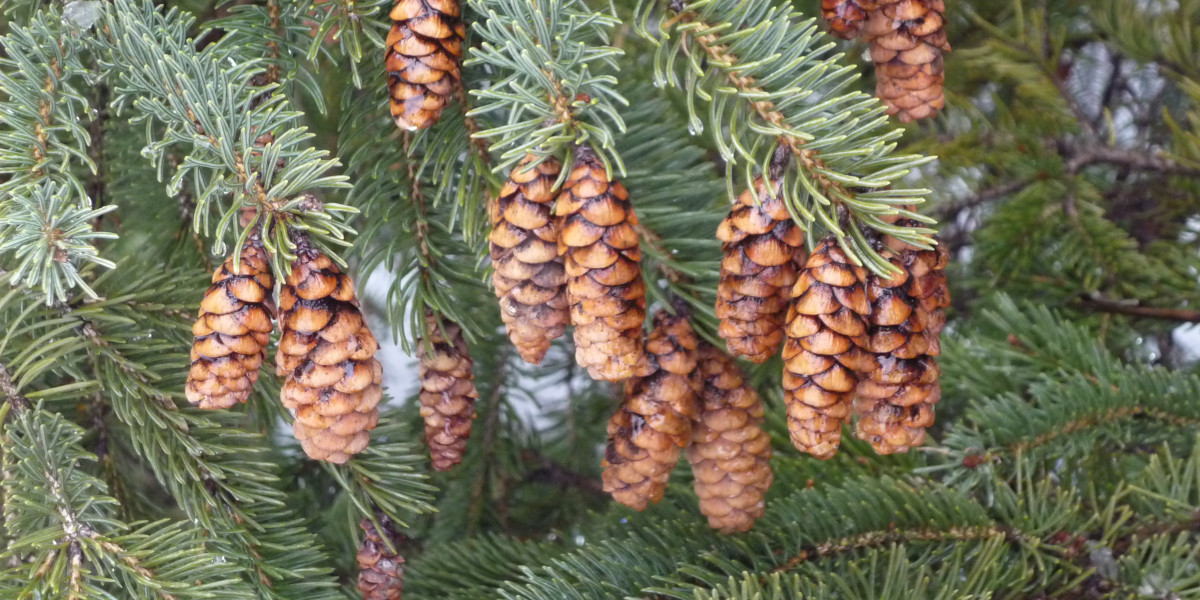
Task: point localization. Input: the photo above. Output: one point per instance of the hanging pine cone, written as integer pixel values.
(655, 421)
(908, 38)
(232, 331)
(327, 352)
(763, 250)
(845, 17)
(604, 275)
(447, 392)
(894, 400)
(529, 279)
(380, 571)
(730, 453)
(423, 52)
(826, 318)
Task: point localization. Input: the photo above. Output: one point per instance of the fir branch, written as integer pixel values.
(204, 103)
(549, 97)
(1099, 303)
(770, 80)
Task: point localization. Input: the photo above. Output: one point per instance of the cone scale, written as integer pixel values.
(232, 331)
(447, 391)
(423, 55)
(826, 325)
(730, 453)
(600, 251)
(380, 570)
(529, 278)
(908, 40)
(895, 399)
(763, 250)
(655, 421)
(327, 353)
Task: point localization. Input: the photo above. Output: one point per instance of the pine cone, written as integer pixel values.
(826, 319)
(763, 250)
(423, 52)
(907, 40)
(232, 331)
(730, 453)
(655, 421)
(380, 571)
(327, 352)
(845, 17)
(529, 279)
(604, 275)
(895, 399)
(447, 392)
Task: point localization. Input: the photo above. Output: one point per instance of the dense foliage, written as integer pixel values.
(1066, 185)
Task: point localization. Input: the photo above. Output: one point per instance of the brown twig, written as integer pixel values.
(1097, 303)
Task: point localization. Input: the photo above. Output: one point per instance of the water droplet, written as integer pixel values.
(81, 13)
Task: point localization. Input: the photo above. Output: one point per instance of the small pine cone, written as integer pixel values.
(908, 38)
(232, 331)
(730, 453)
(845, 17)
(655, 421)
(895, 398)
(763, 250)
(529, 279)
(447, 392)
(327, 352)
(604, 275)
(423, 51)
(826, 324)
(380, 571)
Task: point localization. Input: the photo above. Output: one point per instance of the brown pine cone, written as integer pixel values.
(327, 352)
(845, 17)
(529, 277)
(894, 400)
(763, 250)
(908, 38)
(232, 331)
(826, 319)
(423, 51)
(655, 421)
(447, 391)
(380, 571)
(730, 453)
(604, 275)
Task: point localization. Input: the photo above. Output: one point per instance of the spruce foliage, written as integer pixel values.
(142, 143)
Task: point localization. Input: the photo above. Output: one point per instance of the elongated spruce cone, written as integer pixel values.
(447, 392)
(604, 275)
(825, 329)
(895, 400)
(763, 250)
(380, 571)
(423, 54)
(529, 277)
(908, 39)
(730, 453)
(655, 421)
(232, 331)
(327, 352)
(845, 17)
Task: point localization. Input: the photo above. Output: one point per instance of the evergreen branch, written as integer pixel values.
(1124, 159)
(74, 543)
(1096, 302)
(872, 539)
(46, 231)
(769, 80)
(46, 236)
(242, 145)
(546, 54)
